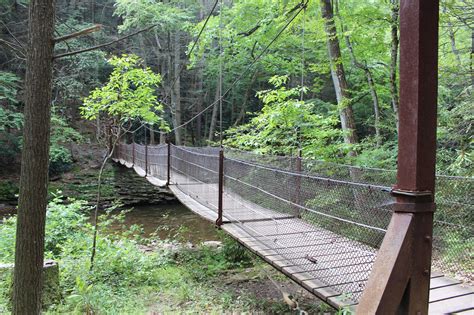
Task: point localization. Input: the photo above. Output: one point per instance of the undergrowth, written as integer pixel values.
(125, 280)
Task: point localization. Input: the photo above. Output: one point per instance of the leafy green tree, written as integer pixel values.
(129, 95)
(287, 124)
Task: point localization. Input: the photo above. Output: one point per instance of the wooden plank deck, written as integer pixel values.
(332, 267)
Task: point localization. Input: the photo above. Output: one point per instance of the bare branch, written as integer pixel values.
(72, 53)
(85, 31)
(13, 47)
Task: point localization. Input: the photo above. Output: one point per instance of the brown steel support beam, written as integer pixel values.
(400, 279)
(220, 203)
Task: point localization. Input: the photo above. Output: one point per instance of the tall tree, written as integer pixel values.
(176, 93)
(338, 75)
(35, 158)
(395, 7)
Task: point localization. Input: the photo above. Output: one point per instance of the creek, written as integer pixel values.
(170, 220)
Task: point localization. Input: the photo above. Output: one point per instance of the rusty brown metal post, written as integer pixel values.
(400, 279)
(220, 203)
(168, 174)
(298, 184)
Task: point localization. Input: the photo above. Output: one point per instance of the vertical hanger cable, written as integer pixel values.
(220, 71)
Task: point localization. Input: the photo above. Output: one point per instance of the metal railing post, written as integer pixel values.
(400, 279)
(220, 203)
(133, 148)
(168, 175)
(146, 155)
(298, 184)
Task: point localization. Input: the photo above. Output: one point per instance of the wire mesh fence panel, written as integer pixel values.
(453, 233)
(158, 161)
(125, 152)
(350, 217)
(196, 173)
(140, 158)
(326, 218)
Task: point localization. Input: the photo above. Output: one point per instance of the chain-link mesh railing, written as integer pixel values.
(453, 233)
(336, 224)
(195, 172)
(327, 219)
(158, 161)
(140, 157)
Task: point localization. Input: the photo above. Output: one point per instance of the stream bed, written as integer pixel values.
(173, 221)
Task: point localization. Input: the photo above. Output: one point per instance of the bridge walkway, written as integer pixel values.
(330, 253)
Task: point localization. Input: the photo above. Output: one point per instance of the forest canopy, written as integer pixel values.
(191, 44)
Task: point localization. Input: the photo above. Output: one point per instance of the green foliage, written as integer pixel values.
(62, 135)
(11, 119)
(129, 94)
(8, 87)
(234, 252)
(167, 16)
(125, 280)
(8, 190)
(286, 124)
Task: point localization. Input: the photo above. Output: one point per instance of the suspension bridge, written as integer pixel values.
(368, 240)
(320, 224)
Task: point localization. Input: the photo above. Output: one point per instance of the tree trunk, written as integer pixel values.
(375, 102)
(177, 89)
(372, 89)
(394, 58)
(199, 106)
(29, 250)
(243, 109)
(152, 137)
(452, 39)
(338, 76)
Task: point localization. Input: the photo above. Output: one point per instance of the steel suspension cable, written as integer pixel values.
(221, 56)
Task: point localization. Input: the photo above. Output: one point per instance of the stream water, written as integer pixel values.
(168, 221)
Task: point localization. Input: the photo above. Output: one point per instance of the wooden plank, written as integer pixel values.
(315, 234)
(442, 282)
(338, 267)
(324, 254)
(444, 293)
(436, 274)
(453, 305)
(304, 263)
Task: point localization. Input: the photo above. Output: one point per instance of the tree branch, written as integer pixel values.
(13, 47)
(72, 53)
(85, 31)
